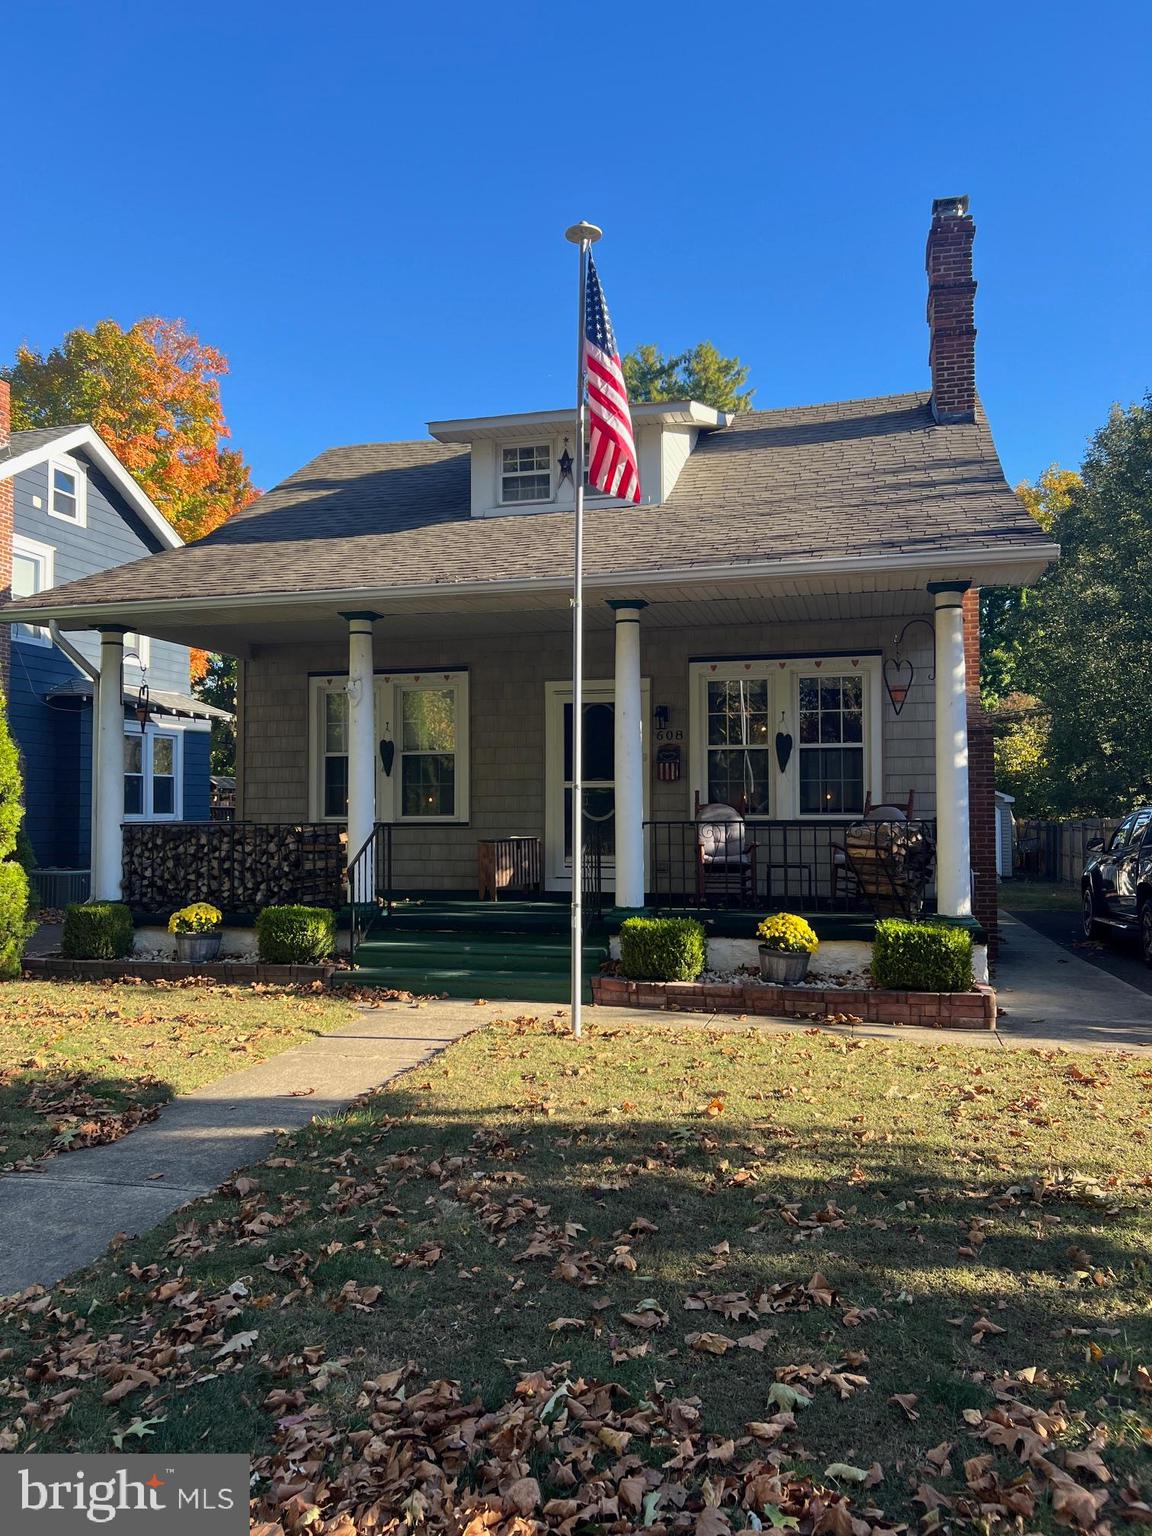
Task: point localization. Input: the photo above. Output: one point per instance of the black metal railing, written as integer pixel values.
(812, 866)
(370, 882)
(592, 886)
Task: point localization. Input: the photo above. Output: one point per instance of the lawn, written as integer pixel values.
(85, 1063)
(1039, 896)
(687, 1279)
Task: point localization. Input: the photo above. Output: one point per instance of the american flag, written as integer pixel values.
(612, 466)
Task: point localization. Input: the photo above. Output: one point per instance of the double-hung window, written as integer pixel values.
(151, 775)
(831, 744)
(526, 472)
(787, 737)
(67, 492)
(422, 756)
(31, 573)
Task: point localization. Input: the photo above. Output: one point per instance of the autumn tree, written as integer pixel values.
(153, 394)
(701, 373)
(217, 685)
(1003, 609)
(1081, 643)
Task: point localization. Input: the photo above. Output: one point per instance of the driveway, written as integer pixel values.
(1051, 994)
(1119, 957)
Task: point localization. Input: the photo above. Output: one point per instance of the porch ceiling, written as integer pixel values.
(236, 627)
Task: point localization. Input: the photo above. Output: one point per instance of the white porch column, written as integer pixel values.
(108, 771)
(629, 750)
(361, 733)
(953, 854)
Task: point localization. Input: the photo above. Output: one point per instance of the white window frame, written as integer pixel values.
(149, 735)
(45, 556)
(390, 687)
(783, 674)
(549, 444)
(141, 645)
(69, 467)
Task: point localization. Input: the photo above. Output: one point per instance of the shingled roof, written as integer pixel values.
(30, 441)
(857, 478)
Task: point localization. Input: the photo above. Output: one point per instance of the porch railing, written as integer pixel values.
(370, 882)
(592, 887)
(239, 866)
(809, 866)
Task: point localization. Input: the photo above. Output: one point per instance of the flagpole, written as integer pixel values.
(583, 235)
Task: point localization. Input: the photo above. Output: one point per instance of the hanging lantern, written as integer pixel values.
(899, 673)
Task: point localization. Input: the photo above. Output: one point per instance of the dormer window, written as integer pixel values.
(526, 472)
(66, 487)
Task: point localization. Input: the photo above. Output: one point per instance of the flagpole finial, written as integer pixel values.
(579, 233)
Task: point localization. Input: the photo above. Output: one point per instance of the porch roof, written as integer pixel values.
(864, 485)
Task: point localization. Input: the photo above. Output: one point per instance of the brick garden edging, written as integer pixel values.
(933, 1010)
(55, 968)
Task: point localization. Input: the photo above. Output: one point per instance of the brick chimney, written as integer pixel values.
(7, 521)
(951, 310)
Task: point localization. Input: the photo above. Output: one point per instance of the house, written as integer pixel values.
(69, 509)
(788, 623)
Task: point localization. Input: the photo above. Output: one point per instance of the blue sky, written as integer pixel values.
(364, 205)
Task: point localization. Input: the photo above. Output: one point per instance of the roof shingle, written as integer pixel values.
(852, 478)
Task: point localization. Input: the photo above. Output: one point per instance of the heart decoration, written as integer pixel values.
(711, 666)
(817, 663)
(747, 666)
(855, 661)
(898, 677)
(783, 748)
(387, 755)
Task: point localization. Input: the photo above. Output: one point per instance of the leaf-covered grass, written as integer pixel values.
(84, 1062)
(1039, 896)
(915, 1239)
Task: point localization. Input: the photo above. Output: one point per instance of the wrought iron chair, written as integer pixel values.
(725, 859)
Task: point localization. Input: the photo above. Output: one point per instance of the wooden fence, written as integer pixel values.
(1056, 850)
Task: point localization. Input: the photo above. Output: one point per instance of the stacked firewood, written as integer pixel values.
(237, 866)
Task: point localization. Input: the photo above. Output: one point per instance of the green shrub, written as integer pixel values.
(662, 948)
(295, 935)
(14, 925)
(921, 957)
(97, 930)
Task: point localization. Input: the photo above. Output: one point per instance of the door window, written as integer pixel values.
(599, 775)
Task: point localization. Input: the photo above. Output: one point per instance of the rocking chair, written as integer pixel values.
(725, 859)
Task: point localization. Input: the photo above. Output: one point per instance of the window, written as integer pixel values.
(739, 766)
(786, 737)
(66, 492)
(526, 473)
(31, 573)
(428, 752)
(425, 718)
(136, 651)
(151, 775)
(334, 773)
(831, 745)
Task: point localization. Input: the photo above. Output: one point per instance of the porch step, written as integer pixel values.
(474, 949)
(488, 952)
(492, 985)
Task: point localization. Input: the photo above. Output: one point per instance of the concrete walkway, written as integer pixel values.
(54, 1221)
(1051, 996)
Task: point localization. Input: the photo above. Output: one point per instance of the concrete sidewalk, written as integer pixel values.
(54, 1221)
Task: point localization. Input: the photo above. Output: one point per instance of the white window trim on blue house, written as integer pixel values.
(148, 738)
(78, 495)
(43, 556)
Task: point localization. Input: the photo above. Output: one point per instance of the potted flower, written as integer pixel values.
(197, 930)
(786, 945)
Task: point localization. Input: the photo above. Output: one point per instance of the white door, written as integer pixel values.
(599, 777)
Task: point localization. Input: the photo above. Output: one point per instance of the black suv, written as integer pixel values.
(1116, 887)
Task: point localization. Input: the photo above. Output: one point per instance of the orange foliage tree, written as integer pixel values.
(153, 394)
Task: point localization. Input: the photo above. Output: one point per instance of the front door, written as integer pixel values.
(599, 778)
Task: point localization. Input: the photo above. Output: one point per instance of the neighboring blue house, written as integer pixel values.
(77, 511)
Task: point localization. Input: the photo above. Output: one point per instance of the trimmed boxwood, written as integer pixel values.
(295, 935)
(921, 957)
(97, 930)
(662, 948)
